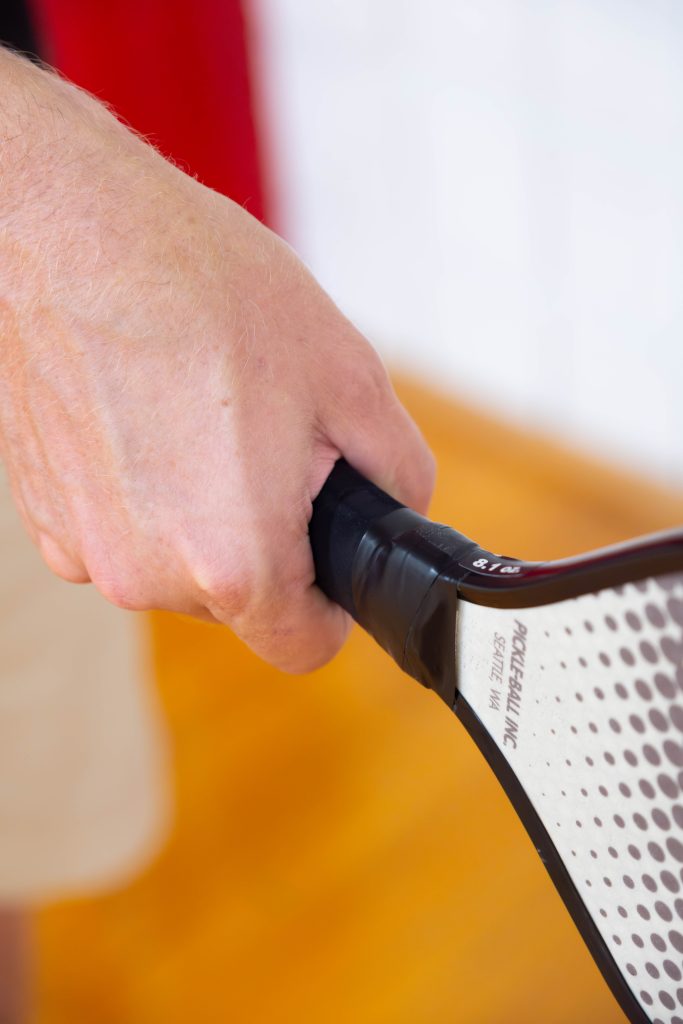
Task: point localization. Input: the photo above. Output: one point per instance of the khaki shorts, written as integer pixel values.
(83, 766)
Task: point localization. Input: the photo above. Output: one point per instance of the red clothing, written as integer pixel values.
(177, 72)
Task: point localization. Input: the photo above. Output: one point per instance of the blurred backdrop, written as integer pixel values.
(492, 190)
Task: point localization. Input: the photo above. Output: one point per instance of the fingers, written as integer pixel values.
(364, 421)
(378, 437)
(287, 620)
(63, 563)
(60, 561)
(395, 457)
(298, 637)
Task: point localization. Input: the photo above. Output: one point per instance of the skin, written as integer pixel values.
(175, 386)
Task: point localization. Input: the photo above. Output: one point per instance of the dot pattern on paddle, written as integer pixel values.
(594, 732)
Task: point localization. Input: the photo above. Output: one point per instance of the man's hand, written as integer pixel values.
(174, 385)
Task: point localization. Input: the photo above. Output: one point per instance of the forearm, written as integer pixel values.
(79, 193)
(49, 133)
(43, 122)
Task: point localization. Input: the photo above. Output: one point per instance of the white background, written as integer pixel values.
(493, 191)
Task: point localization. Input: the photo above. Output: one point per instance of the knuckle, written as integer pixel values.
(225, 592)
(121, 591)
(59, 561)
(377, 375)
(373, 383)
(358, 378)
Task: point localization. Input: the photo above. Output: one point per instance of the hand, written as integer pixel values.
(175, 387)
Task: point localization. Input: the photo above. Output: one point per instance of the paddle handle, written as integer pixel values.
(392, 570)
(345, 509)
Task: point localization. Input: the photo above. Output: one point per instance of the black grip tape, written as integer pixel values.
(342, 513)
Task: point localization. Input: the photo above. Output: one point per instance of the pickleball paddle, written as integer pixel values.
(568, 675)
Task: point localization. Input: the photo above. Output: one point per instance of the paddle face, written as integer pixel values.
(569, 677)
(578, 706)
